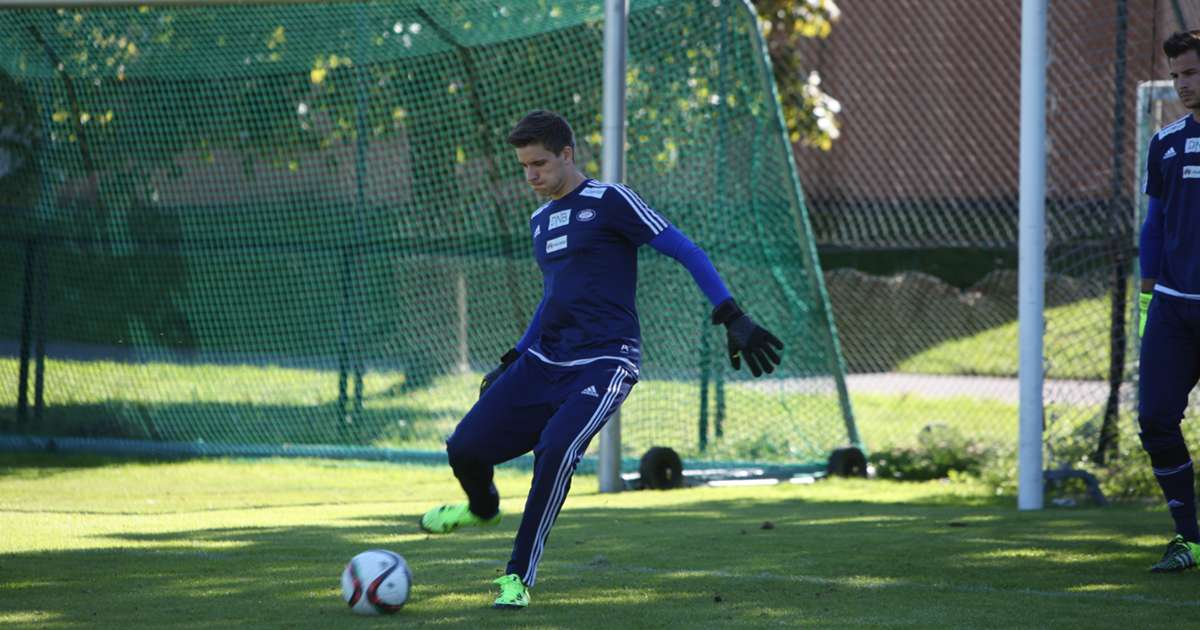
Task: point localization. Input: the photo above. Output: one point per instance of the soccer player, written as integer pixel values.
(580, 356)
(1169, 253)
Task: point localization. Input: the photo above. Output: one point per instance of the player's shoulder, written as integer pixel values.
(539, 210)
(612, 193)
(1178, 125)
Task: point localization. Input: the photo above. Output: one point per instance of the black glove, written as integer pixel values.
(747, 339)
(508, 359)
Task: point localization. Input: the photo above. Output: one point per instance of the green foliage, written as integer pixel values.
(943, 451)
(939, 451)
(811, 114)
(1126, 475)
(19, 132)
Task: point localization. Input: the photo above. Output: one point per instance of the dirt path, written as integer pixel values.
(1003, 389)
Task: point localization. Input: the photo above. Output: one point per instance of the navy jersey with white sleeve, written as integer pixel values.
(586, 246)
(1173, 179)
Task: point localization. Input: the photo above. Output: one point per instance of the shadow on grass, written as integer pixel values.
(412, 426)
(42, 465)
(723, 562)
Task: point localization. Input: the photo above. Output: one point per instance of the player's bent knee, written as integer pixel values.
(462, 452)
(1160, 411)
(1159, 438)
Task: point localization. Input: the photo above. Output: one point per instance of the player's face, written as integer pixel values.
(1185, 72)
(546, 172)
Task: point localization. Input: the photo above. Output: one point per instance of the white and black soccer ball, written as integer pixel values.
(376, 582)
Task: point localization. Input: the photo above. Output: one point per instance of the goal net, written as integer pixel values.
(297, 228)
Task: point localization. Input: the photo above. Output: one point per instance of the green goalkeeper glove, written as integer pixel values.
(508, 359)
(1143, 310)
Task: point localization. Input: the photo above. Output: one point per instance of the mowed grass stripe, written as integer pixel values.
(172, 549)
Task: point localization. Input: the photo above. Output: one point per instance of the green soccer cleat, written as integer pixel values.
(447, 518)
(513, 593)
(1180, 555)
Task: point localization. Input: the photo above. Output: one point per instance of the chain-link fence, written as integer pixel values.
(915, 209)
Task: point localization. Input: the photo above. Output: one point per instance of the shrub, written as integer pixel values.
(939, 450)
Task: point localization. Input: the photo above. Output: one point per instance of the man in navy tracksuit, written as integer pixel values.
(1170, 298)
(580, 356)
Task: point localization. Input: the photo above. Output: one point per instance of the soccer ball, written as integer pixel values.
(376, 582)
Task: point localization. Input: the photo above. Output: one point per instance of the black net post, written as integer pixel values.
(26, 333)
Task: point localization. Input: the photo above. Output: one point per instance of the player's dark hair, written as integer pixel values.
(1182, 42)
(543, 127)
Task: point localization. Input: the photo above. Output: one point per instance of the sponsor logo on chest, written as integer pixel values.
(559, 219)
(1191, 172)
(1192, 145)
(556, 244)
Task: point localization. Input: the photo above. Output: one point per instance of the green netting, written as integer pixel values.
(299, 224)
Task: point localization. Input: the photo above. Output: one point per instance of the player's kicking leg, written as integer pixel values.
(590, 398)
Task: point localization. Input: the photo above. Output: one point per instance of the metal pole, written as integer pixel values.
(357, 308)
(27, 314)
(1032, 257)
(616, 15)
(461, 299)
(39, 337)
(345, 419)
(1109, 441)
(705, 363)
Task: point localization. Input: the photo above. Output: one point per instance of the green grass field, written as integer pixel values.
(275, 405)
(1071, 347)
(92, 543)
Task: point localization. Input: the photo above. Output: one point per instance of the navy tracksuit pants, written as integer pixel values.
(1168, 370)
(552, 410)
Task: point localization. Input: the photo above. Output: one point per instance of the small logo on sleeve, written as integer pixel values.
(1171, 152)
(559, 219)
(591, 391)
(556, 244)
(537, 231)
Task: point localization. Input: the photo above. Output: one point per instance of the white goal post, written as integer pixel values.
(616, 16)
(1032, 256)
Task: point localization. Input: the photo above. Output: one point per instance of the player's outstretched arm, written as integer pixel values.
(671, 242)
(747, 339)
